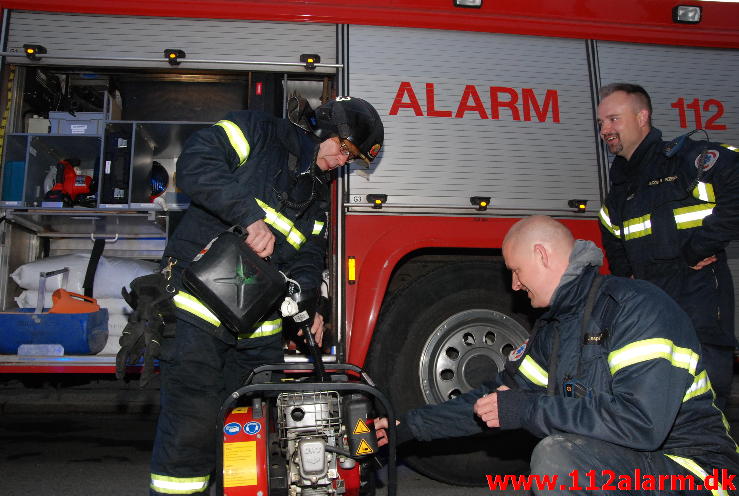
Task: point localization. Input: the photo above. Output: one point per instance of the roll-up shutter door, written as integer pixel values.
(522, 159)
(113, 39)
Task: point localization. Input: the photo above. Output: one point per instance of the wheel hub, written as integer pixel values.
(465, 350)
(476, 368)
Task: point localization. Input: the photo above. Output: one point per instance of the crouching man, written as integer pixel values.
(611, 379)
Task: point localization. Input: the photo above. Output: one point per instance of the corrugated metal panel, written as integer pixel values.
(440, 161)
(147, 37)
(669, 73)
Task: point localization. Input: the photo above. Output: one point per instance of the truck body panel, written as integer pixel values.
(494, 102)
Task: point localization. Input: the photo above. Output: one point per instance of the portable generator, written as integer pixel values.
(290, 432)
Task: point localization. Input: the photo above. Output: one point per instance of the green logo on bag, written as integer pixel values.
(241, 278)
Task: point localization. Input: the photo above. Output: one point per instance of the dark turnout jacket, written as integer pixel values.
(224, 191)
(664, 214)
(247, 167)
(641, 382)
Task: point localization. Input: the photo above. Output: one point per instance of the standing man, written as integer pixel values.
(611, 378)
(670, 212)
(271, 177)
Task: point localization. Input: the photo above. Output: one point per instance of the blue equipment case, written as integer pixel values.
(78, 333)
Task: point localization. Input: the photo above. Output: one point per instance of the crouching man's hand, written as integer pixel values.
(487, 408)
(381, 430)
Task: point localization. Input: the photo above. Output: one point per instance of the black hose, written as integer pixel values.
(315, 355)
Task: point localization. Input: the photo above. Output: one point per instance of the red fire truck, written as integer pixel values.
(489, 116)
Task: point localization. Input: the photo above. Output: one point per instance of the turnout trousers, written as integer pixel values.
(198, 371)
(584, 465)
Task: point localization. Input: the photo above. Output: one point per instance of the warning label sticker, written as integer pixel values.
(240, 464)
(361, 427)
(364, 449)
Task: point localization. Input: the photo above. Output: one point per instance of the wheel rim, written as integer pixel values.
(461, 352)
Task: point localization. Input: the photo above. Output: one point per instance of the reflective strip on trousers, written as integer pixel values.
(189, 303)
(237, 139)
(263, 329)
(282, 224)
(533, 372)
(697, 471)
(178, 485)
(692, 216)
(650, 349)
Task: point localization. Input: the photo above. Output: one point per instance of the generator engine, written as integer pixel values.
(303, 438)
(311, 435)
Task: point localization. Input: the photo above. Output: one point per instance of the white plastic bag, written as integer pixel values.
(112, 274)
(27, 276)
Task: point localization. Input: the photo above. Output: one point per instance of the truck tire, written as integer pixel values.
(443, 335)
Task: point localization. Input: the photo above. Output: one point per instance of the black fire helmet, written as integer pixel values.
(349, 118)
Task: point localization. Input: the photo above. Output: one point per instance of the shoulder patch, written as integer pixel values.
(518, 352)
(706, 160)
(729, 147)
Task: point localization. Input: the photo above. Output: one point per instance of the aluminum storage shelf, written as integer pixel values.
(74, 222)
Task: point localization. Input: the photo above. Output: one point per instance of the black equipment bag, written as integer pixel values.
(114, 188)
(233, 282)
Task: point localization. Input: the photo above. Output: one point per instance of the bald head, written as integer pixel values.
(537, 251)
(541, 229)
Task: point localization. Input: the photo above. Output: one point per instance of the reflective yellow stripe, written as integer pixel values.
(533, 372)
(605, 219)
(263, 329)
(189, 303)
(704, 191)
(282, 224)
(237, 139)
(701, 384)
(732, 148)
(692, 216)
(697, 471)
(317, 227)
(178, 485)
(295, 238)
(650, 349)
(638, 227)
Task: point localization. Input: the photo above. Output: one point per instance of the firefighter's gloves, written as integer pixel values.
(152, 318)
(138, 341)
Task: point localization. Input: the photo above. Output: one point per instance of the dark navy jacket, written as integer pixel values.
(646, 386)
(660, 218)
(237, 172)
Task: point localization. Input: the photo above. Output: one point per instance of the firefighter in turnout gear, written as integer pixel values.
(611, 378)
(671, 210)
(270, 176)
